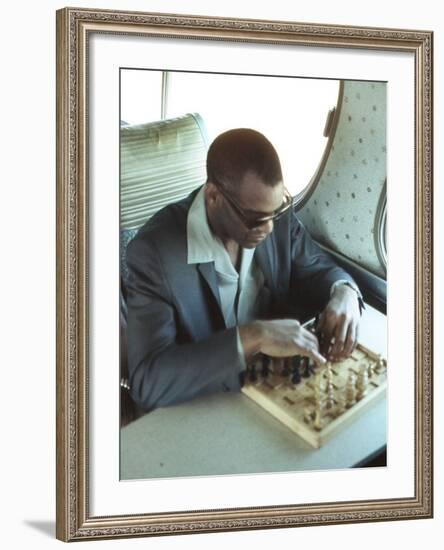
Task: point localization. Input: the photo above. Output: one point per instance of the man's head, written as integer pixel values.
(244, 186)
(236, 152)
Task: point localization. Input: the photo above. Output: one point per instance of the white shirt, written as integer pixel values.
(238, 291)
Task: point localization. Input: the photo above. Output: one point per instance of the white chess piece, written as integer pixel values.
(362, 382)
(350, 390)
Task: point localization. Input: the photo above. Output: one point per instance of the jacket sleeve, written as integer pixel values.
(313, 270)
(161, 370)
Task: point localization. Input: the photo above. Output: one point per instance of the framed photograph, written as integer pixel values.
(145, 448)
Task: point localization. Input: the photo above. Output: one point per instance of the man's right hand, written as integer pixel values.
(279, 338)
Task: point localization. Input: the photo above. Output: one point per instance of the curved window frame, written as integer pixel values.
(381, 229)
(332, 123)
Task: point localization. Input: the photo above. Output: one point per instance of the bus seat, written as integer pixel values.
(160, 162)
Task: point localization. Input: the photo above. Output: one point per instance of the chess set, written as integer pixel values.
(316, 401)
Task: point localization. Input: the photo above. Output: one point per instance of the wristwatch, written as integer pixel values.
(353, 287)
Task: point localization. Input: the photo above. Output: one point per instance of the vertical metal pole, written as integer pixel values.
(164, 98)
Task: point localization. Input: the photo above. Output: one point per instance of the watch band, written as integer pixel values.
(353, 287)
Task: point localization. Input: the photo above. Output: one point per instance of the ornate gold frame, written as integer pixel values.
(73, 519)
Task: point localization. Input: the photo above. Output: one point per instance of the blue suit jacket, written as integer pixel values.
(178, 344)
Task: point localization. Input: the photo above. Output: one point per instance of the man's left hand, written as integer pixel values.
(339, 323)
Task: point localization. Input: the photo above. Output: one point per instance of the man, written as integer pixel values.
(218, 277)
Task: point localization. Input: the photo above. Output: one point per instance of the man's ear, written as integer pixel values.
(210, 193)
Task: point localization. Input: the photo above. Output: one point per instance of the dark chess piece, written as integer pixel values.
(296, 370)
(252, 373)
(286, 370)
(306, 371)
(266, 361)
(311, 366)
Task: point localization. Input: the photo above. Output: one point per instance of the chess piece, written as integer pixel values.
(379, 365)
(317, 424)
(311, 367)
(318, 393)
(286, 367)
(265, 371)
(350, 390)
(305, 367)
(319, 404)
(329, 373)
(278, 363)
(308, 415)
(362, 383)
(295, 370)
(340, 406)
(252, 373)
(330, 400)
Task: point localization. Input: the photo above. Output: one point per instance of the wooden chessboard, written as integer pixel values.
(329, 399)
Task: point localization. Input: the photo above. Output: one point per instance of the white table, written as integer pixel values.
(229, 434)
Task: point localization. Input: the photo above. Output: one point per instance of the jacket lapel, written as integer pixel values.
(265, 258)
(209, 274)
(195, 306)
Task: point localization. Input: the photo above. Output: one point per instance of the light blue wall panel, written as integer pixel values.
(343, 211)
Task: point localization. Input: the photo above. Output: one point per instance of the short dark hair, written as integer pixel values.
(236, 152)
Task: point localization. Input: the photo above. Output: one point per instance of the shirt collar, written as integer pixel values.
(203, 246)
(201, 242)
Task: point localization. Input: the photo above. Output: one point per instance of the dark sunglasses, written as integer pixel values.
(247, 219)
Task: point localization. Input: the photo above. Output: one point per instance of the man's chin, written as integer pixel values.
(252, 243)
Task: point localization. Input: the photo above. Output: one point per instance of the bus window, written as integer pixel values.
(290, 111)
